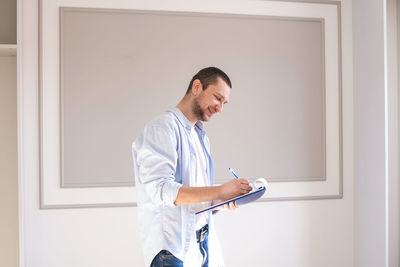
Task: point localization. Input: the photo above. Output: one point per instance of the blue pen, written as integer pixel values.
(233, 172)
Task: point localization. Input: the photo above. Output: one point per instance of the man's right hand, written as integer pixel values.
(234, 188)
(193, 194)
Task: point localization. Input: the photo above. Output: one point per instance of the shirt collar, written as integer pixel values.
(200, 128)
(184, 121)
(181, 118)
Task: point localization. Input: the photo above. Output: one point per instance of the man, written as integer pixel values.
(174, 176)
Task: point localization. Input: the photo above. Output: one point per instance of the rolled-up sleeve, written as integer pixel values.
(155, 154)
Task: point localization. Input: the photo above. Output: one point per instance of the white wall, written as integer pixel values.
(371, 176)
(299, 233)
(8, 139)
(8, 163)
(393, 147)
(397, 258)
(398, 111)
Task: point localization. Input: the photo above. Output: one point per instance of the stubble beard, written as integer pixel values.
(198, 112)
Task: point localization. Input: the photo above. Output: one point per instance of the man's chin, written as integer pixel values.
(205, 117)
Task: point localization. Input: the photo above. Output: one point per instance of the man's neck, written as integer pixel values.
(184, 107)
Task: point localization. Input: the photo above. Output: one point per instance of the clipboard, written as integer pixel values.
(240, 200)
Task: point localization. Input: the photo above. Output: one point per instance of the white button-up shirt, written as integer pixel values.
(164, 160)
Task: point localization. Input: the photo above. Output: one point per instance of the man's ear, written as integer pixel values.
(196, 87)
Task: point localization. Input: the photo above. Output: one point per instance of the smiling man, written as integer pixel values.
(175, 177)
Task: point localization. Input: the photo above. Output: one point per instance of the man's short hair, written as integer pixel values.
(209, 76)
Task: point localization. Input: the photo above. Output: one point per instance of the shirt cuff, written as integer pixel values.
(170, 192)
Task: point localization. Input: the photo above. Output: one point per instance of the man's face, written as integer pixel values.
(210, 101)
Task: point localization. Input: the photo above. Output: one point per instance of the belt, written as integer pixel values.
(202, 234)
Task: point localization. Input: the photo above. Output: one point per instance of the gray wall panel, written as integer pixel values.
(119, 69)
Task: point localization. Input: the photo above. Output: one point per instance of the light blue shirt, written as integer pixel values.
(164, 160)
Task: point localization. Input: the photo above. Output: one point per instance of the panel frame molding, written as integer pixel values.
(63, 10)
(54, 194)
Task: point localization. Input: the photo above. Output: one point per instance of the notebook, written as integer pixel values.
(240, 200)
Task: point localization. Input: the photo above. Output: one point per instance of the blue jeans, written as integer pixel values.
(204, 251)
(165, 258)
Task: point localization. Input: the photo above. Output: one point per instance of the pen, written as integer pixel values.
(233, 172)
